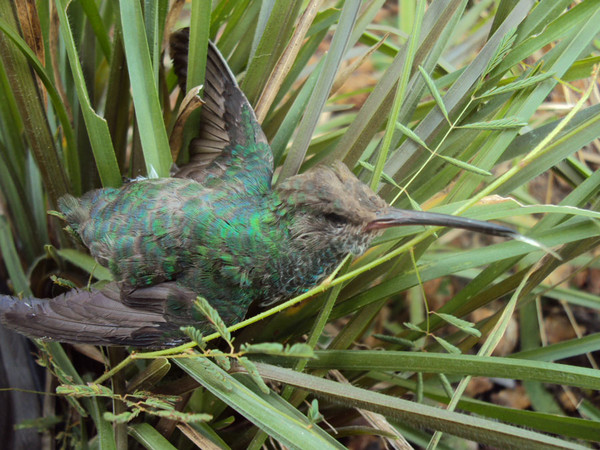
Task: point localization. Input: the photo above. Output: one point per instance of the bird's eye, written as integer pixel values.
(336, 219)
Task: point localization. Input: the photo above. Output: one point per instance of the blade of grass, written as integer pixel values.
(268, 411)
(30, 105)
(11, 259)
(155, 12)
(148, 114)
(36, 197)
(272, 43)
(557, 61)
(11, 125)
(265, 12)
(287, 127)
(118, 99)
(399, 96)
(551, 423)
(456, 364)
(71, 155)
(324, 20)
(96, 125)
(469, 427)
(147, 435)
(322, 90)
(403, 158)
(487, 347)
(199, 31)
(439, 22)
(20, 213)
(93, 15)
(238, 28)
(286, 60)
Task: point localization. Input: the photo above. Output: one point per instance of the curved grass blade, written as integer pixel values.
(97, 128)
(198, 44)
(322, 89)
(30, 107)
(481, 430)
(457, 365)
(148, 114)
(268, 411)
(71, 155)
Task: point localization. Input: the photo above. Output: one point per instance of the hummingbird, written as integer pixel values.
(216, 228)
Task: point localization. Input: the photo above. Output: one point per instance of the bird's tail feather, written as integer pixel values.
(97, 317)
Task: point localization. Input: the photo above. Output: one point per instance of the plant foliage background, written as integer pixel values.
(484, 108)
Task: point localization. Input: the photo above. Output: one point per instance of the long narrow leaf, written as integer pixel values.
(322, 89)
(30, 105)
(199, 31)
(473, 428)
(96, 125)
(267, 411)
(458, 364)
(153, 135)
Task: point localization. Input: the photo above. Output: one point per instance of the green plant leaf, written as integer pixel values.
(96, 126)
(267, 411)
(149, 118)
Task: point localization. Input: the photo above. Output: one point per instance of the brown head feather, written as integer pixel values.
(332, 190)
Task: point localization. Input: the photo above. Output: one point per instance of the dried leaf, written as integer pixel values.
(190, 103)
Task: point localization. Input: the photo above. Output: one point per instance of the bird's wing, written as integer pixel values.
(148, 317)
(147, 231)
(230, 142)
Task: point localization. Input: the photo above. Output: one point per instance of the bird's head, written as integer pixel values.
(333, 208)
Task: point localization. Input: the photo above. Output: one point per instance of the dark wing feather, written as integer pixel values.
(227, 122)
(148, 317)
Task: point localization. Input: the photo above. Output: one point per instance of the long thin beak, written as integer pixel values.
(393, 217)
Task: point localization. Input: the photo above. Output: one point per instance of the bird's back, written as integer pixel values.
(214, 241)
(142, 232)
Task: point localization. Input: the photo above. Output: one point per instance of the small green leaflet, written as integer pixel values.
(384, 175)
(467, 327)
(221, 359)
(195, 335)
(395, 340)
(253, 372)
(434, 91)
(500, 124)
(124, 417)
(313, 414)
(447, 345)
(299, 350)
(464, 165)
(505, 45)
(213, 316)
(517, 85)
(413, 327)
(411, 134)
